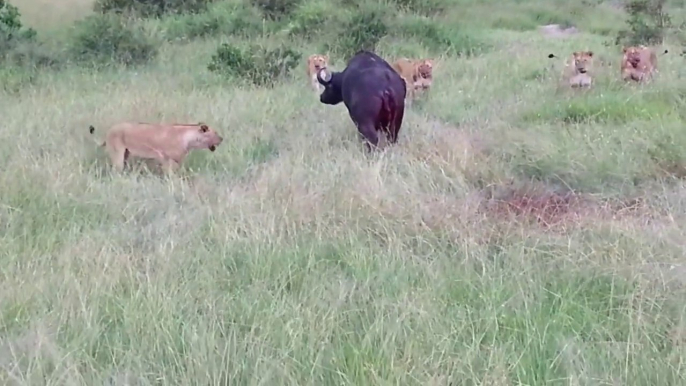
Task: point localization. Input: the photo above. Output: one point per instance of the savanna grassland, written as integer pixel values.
(518, 233)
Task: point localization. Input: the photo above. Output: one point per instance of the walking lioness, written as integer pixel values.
(418, 73)
(167, 143)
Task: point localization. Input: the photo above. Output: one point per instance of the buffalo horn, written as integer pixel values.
(321, 79)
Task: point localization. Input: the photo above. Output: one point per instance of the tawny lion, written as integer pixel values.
(639, 63)
(418, 74)
(169, 144)
(578, 72)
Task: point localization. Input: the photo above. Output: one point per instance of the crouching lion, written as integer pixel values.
(639, 63)
(578, 70)
(169, 144)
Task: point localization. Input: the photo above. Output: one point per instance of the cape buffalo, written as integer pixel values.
(373, 93)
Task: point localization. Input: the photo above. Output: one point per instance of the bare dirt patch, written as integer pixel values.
(548, 207)
(537, 205)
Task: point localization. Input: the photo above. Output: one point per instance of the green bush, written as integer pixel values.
(310, 19)
(12, 31)
(109, 39)
(19, 46)
(257, 65)
(363, 31)
(148, 8)
(648, 22)
(276, 9)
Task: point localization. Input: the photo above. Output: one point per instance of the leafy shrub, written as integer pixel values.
(12, 31)
(233, 20)
(148, 8)
(310, 19)
(258, 65)
(647, 23)
(363, 31)
(276, 9)
(106, 39)
(19, 46)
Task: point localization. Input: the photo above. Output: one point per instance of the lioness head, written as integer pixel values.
(424, 73)
(583, 61)
(632, 55)
(316, 62)
(203, 137)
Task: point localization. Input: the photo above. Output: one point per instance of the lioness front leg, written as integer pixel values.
(118, 157)
(170, 166)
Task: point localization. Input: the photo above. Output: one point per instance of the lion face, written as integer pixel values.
(632, 55)
(423, 76)
(205, 138)
(583, 61)
(316, 62)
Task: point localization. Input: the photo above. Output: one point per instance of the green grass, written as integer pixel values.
(289, 256)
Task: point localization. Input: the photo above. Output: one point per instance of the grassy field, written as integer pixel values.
(518, 234)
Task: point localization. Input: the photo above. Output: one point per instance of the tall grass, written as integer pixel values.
(516, 235)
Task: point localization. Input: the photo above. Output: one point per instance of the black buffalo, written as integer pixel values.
(373, 93)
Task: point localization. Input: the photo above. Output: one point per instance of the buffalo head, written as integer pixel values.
(332, 94)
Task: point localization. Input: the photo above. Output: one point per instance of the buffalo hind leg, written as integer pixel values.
(368, 131)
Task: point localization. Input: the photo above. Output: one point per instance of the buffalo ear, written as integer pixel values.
(551, 55)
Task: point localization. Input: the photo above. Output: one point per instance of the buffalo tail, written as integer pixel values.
(390, 110)
(388, 104)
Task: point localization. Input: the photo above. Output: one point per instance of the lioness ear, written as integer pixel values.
(589, 53)
(203, 128)
(326, 57)
(624, 49)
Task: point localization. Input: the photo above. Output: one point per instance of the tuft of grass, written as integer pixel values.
(614, 108)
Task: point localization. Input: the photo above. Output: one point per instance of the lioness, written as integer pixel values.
(638, 63)
(167, 143)
(315, 63)
(577, 71)
(418, 74)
